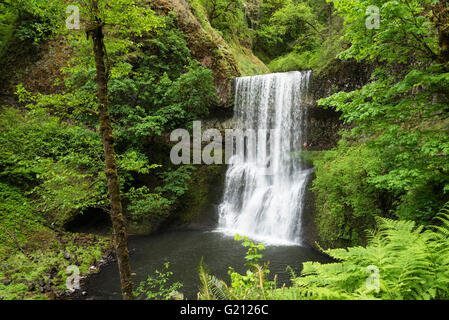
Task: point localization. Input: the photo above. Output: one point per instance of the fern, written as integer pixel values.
(412, 263)
(211, 288)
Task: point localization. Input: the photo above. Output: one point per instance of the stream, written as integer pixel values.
(263, 197)
(184, 249)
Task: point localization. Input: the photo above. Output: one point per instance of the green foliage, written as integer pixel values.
(292, 26)
(346, 200)
(316, 58)
(402, 261)
(193, 91)
(156, 205)
(127, 17)
(407, 120)
(50, 170)
(16, 219)
(269, 7)
(159, 287)
(405, 30)
(252, 255)
(44, 262)
(401, 114)
(211, 287)
(252, 285)
(52, 159)
(411, 261)
(298, 35)
(175, 182)
(57, 163)
(28, 20)
(229, 17)
(287, 34)
(147, 205)
(154, 87)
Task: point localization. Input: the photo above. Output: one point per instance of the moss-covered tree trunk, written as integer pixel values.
(120, 236)
(441, 21)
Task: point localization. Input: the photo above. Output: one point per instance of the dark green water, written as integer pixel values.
(184, 249)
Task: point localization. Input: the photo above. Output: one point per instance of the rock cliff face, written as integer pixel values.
(206, 46)
(340, 75)
(325, 124)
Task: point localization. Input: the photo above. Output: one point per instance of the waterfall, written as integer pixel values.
(266, 180)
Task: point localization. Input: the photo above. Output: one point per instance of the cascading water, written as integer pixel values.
(262, 200)
(266, 179)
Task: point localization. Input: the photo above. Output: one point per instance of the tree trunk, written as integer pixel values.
(120, 236)
(330, 19)
(441, 21)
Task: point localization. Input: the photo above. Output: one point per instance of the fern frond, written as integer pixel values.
(212, 288)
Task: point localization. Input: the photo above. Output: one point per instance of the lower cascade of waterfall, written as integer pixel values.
(266, 179)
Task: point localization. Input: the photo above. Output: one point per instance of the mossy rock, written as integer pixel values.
(205, 190)
(205, 45)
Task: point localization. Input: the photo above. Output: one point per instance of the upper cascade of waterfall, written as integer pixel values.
(266, 180)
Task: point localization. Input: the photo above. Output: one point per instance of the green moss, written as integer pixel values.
(200, 13)
(48, 265)
(309, 156)
(346, 201)
(142, 227)
(200, 192)
(248, 63)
